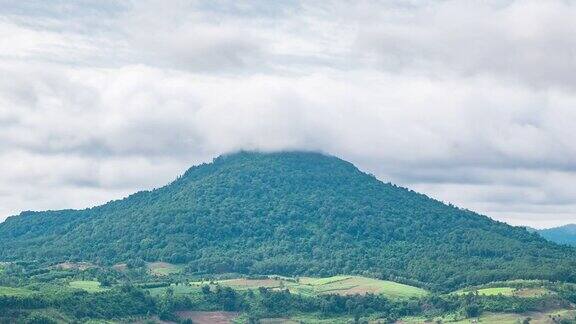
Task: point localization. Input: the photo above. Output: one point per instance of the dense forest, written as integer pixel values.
(291, 213)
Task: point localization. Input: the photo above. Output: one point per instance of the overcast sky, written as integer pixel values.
(470, 102)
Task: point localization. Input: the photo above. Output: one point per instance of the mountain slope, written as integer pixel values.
(291, 213)
(563, 234)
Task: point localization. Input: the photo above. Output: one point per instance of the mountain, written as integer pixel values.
(562, 235)
(291, 213)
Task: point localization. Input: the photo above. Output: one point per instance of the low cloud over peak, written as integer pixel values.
(470, 102)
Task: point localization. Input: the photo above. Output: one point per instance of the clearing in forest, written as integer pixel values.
(87, 285)
(163, 268)
(340, 285)
(507, 291)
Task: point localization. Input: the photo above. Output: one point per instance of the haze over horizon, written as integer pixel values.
(100, 99)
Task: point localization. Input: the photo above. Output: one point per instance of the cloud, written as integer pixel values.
(181, 37)
(532, 42)
(464, 101)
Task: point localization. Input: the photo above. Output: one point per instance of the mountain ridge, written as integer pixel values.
(293, 213)
(565, 234)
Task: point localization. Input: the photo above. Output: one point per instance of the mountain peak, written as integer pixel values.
(292, 213)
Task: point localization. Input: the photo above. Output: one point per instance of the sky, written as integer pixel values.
(469, 102)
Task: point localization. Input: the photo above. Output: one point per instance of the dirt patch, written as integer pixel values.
(74, 266)
(208, 317)
(121, 267)
(531, 292)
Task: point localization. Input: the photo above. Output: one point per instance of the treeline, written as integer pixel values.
(119, 302)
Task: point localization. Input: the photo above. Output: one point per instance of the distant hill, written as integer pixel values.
(563, 234)
(291, 213)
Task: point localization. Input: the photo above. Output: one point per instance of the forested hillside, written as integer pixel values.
(563, 234)
(292, 213)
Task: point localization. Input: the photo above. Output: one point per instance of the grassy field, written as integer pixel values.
(341, 285)
(507, 291)
(504, 291)
(163, 268)
(536, 317)
(177, 289)
(322, 281)
(550, 317)
(16, 292)
(87, 285)
(361, 285)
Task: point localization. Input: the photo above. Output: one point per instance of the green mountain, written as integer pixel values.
(292, 213)
(562, 235)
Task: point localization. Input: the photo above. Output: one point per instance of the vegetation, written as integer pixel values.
(563, 235)
(163, 268)
(14, 292)
(40, 294)
(294, 214)
(87, 285)
(339, 285)
(268, 236)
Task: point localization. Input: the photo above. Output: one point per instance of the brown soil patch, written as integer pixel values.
(74, 266)
(121, 267)
(208, 317)
(531, 292)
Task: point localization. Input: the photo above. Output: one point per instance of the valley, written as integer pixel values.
(99, 294)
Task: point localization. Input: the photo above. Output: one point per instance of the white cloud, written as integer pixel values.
(462, 100)
(532, 42)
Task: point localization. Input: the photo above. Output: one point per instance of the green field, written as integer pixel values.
(164, 268)
(341, 285)
(506, 291)
(87, 285)
(510, 318)
(500, 318)
(322, 281)
(177, 289)
(16, 292)
(362, 285)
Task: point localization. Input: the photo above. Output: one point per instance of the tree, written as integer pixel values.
(472, 310)
(36, 318)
